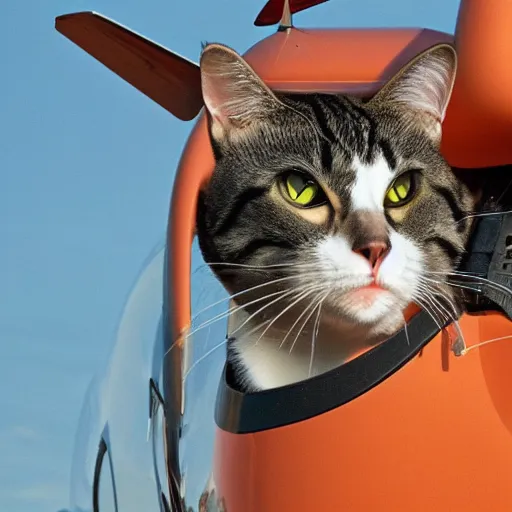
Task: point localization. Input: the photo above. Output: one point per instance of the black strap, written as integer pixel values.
(243, 413)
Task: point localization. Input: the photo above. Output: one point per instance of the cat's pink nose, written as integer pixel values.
(374, 252)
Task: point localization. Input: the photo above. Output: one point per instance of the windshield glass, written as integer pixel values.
(206, 359)
(113, 457)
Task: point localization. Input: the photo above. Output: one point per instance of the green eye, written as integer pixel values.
(401, 190)
(302, 190)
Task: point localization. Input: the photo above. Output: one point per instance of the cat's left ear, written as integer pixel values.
(234, 95)
(424, 86)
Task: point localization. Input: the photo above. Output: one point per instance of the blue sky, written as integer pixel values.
(86, 167)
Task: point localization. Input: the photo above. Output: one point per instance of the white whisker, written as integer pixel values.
(289, 292)
(455, 322)
(247, 290)
(293, 325)
(203, 357)
(232, 310)
(428, 300)
(428, 296)
(424, 306)
(406, 333)
(316, 328)
(484, 280)
(221, 316)
(302, 296)
(482, 214)
(260, 267)
(483, 343)
(307, 318)
(438, 292)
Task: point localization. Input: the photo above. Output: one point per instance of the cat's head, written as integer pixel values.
(345, 200)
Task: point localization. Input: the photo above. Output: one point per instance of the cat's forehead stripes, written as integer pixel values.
(370, 184)
(343, 128)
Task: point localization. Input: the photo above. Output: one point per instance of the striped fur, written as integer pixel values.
(353, 149)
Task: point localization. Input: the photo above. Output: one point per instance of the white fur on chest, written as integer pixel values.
(268, 367)
(265, 364)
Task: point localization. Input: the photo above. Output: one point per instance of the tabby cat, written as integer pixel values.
(327, 215)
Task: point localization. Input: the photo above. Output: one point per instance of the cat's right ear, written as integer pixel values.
(424, 86)
(234, 95)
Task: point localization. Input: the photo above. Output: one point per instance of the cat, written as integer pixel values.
(327, 215)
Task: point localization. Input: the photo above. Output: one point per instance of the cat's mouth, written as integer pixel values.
(369, 302)
(367, 294)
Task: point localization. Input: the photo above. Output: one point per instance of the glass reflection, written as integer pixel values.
(119, 397)
(157, 427)
(106, 490)
(206, 355)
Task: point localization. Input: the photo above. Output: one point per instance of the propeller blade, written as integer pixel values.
(273, 10)
(169, 79)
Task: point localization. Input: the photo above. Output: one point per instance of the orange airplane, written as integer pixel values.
(421, 422)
